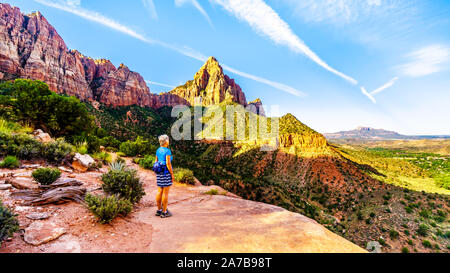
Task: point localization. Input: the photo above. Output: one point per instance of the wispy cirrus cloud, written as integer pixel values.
(197, 5)
(150, 6)
(372, 94)
(266, 22)
(338, 11)
(426, 61)
(160, 84)
(186, 51)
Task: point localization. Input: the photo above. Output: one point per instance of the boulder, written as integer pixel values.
(373, 247)
(64, 169)
(22, 183)
(39, 233)
(5, 187)
(32, 166)
(82, 162)
(39, 135)
(38, 216)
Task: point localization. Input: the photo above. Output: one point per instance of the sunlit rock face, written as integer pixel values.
(212, 86)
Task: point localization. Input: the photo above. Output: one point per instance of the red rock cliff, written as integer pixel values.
(31, 48)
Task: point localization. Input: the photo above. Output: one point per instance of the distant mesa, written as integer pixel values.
(368, 133)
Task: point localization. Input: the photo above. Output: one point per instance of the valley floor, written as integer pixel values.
(201, 223)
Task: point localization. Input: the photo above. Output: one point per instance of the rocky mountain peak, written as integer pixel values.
(293, 133)
(212, 86)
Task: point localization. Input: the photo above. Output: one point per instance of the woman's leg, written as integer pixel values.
(165, 198)
(159, 197)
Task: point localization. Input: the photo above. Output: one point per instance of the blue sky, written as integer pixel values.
(335, 64)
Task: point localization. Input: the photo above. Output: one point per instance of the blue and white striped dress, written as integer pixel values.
(164, 180)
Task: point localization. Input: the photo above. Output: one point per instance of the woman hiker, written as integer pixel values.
(164, 179)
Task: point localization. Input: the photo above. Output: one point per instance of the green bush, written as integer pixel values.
(81, 148)
(8, 223)
(46, 176)
(423, 230)
(103, 157)
(147, 162)
(124, 182)
(184, 176)
(10, 162)
(32, 102)
(405, 250)
(138, 147)
(107, 208)
(22, 146)
(393, 234)
(128, 148)
(109, 141)
(212, 192)
(57, 151)
(426, 244)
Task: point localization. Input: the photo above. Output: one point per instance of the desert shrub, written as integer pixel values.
(93, 144)
(124, 182)
(120, 160)
(8, 127)
(81, 148)
(10, 162)
(393, 234)
(425, 213)
(405, 250)
(8, 223)
(184, 176)
(423, 230)
(106, 208)
(360, 216)
(138, 147)
(46, 176)
(57, 151)
(110, 142)
(426, 243)
(147, 162)
(29, 151)
(103, 157)
(212, 192)
(382, 242)
(128, 148)
(21, 145)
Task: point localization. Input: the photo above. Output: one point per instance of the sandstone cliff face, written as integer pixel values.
(257, 107)
(212, 85)
(31, 48)
(293, 133)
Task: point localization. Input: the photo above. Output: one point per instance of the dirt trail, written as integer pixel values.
(200, 223)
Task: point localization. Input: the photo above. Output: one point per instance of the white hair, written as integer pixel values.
(163, 139)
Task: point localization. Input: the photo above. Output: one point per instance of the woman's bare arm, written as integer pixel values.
(169, 165)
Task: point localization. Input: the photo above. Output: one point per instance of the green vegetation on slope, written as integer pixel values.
(416, 171)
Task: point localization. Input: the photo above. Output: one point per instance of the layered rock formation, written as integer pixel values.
(294, 133)
(258, 107)
(212, 85)
(31, 48)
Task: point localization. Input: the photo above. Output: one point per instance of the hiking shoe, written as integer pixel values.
(159, 212)
(166, 214)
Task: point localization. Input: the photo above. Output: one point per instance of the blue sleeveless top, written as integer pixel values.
(162, 153)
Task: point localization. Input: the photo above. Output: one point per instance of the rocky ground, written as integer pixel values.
(201, 223)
